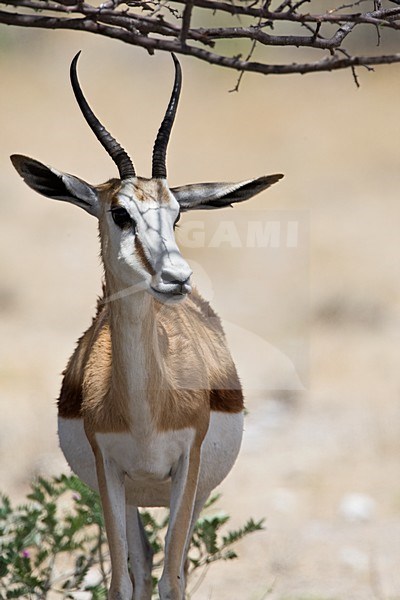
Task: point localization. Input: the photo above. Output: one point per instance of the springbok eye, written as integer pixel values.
(122, 218)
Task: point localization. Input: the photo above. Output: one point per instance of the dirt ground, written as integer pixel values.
(311, 306)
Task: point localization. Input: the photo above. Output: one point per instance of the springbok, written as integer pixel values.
(151, 407)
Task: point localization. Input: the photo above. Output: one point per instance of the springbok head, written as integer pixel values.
(137, 216)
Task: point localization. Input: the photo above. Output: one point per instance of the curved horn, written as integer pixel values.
(112, 147)
(161, 143)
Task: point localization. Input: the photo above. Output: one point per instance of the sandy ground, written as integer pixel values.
(312, 314)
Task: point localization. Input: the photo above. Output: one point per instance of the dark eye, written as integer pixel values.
(177, 219)
(122, 218)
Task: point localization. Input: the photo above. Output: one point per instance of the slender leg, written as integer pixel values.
(198, 505)
(140, 555)
(112, 493)
(183, 492)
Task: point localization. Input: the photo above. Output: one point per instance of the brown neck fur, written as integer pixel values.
(190, 373)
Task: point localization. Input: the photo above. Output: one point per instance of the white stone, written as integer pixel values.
(357, 507)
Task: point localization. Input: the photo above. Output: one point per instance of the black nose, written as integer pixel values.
(172, 278)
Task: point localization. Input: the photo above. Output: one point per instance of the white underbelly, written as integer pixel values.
(148, 464)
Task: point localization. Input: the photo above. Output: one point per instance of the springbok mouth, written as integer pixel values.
(170, 295)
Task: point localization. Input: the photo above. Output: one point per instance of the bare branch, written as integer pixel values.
(160, 25)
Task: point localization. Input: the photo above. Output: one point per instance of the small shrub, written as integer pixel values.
(56, 542)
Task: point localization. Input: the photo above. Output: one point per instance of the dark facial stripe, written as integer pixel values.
(142, 257)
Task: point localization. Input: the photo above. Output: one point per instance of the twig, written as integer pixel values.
(250, 54)
(187, 15)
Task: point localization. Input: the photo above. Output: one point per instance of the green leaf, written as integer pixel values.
(18, 592)
(211, 501)
(99, 592)
(229, 555)
(5, 507)
(250, 527)
(3, 566)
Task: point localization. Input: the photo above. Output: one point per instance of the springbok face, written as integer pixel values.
(137, 216)
(138, 238)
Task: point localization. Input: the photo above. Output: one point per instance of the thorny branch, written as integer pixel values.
(184, 27)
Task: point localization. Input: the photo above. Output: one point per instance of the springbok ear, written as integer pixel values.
(218, 195)
(53, 184)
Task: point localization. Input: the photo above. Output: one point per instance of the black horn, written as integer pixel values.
(161, 143)
(112, 147)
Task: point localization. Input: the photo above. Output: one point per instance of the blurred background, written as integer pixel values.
(312, 313)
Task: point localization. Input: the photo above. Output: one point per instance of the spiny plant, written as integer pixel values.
(55, 543)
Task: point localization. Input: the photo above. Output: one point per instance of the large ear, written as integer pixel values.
(53, 184)
(218, 195)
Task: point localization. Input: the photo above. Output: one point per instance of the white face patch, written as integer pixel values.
(144, 248)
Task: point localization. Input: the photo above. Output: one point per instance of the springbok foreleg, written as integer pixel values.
(140, 555)
(183, 492)
(198, 506)
(111, 481)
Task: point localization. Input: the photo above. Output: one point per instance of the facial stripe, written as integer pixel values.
(142, 256)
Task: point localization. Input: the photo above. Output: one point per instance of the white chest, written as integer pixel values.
(146, 457)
